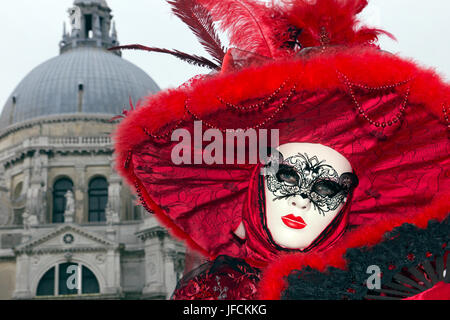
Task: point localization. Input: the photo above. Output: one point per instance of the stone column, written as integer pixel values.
(23, 290)
(114, 189)
(43, 190)
(153, 237)
(173, 269)
(112, 276)
(96, 28)
(5, 196)
(80, 193)
(27, 166)
(76, 20)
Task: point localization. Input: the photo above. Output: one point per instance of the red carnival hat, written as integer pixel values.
(386, 115)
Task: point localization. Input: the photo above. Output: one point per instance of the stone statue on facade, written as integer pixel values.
(29, 220)
(36, 193)
(112, 216)
(33, 204)
(69, 212)
(37, 166)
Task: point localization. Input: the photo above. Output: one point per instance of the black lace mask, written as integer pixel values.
(310, 178)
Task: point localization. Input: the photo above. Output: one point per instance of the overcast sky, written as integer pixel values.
(30, 31)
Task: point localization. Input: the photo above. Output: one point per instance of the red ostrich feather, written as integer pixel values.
(330, 22)
(251, 25)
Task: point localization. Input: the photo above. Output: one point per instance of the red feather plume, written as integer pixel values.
(330, 22)
(251, 25)
(268, 30)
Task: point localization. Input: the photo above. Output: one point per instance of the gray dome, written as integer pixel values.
(82, 80)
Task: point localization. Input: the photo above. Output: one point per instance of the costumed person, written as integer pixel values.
(351, 202)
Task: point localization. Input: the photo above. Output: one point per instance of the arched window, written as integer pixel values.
(68, 279)
(59, 200)
(98, 198)
(46, 285)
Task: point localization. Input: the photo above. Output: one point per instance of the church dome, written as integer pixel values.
(84, 79)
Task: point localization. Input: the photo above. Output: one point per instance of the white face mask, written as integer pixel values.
(306, 193)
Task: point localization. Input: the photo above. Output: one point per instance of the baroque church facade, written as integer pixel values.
(69, 226)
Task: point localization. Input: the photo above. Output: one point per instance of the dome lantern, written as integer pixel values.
(91, 22)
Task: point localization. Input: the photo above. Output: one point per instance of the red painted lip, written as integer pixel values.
(293, 222)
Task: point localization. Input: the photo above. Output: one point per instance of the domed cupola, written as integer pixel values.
(85, 79)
